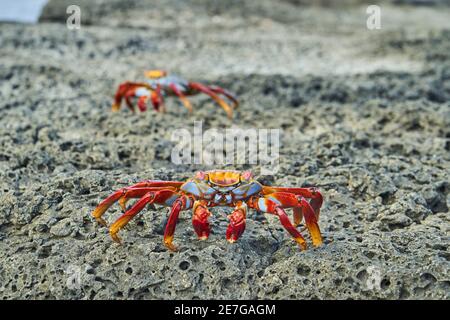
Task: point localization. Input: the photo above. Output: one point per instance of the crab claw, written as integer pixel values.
(237, 225)
(200, 221)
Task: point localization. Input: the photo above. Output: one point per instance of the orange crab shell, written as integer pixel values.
(155, 74)
(224, 178)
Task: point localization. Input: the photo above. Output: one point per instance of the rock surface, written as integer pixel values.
(364, 115)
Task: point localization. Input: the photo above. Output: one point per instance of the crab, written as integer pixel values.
(216, 188)
(160, 84)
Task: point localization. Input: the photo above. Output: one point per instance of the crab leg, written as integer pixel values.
(105, 204)
(237, 222)
(182, 97)
(157, 183)
(229, 95)
(150, 197)
(121, 195)
(126, 91)
(120, 93)
(202, 88)
(298, 216)
(274, 207)
(139, 192)
(290, 200)
(310, 193)
(311, 221)
(179, 204)
(200, 219)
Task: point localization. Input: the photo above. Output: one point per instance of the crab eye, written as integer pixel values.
(201, 175)
(246, 176)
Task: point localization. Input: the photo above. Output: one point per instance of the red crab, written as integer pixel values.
(159, 84)
(218, 188)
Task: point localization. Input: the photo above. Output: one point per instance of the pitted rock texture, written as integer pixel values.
(364, 116)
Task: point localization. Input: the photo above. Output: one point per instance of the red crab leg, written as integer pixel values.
(290, 200)
(200, 219)
(131, 193)
(126, 91)
(202, 88)
(229, 95)
(181, 203)
(157, 183)
(237, 223)
(120, 93)
(274, 207)
(154, 184)
(311, 221)
(310, 193)
(128, 102)
(119, 195)
(150, 197)
(105, 204)
(182, 97)
(142, 103)
(298, 216)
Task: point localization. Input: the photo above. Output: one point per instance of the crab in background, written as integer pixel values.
(218, 188)
(159, 85)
